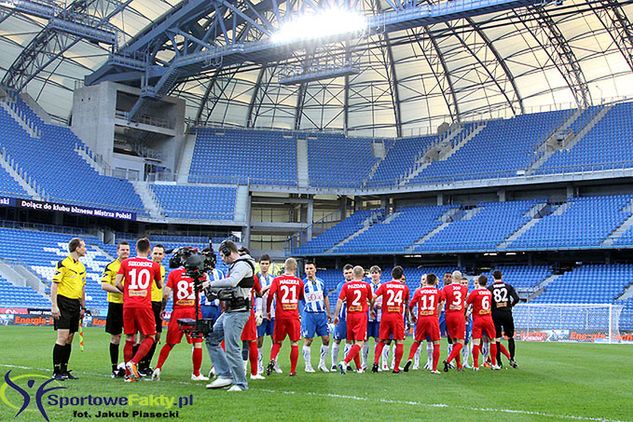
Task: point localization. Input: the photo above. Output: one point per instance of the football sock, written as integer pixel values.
(357, 359)
(253, 355)
(66, 357)
(457, 347)
(274, 351)
(335, 347)
(511, 347)
(324, 350)
(399, 353)
(365, 352)
(162, 355)
(58, 351)
(307, 356)
(143, 349)
(414, 349)
(147, 360)
(416, 357)
(385, 356)
(476, 349)
(465, 351)
(196, 358)
(379, 348)
(353, 352)
(430, 347)
(502, 349)
(135, 348)
(493, 353)
(436, 356)
(294, 357)
(245, 350)
(260, 359)
(114, 355)
(346, 349)
(128, 350)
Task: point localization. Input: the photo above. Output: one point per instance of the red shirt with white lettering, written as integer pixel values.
(427, 299)
(481, 300)
(356, 294)
(289, 291)
(138, 275)
(182, 287)
(395, 294)
(455, 295)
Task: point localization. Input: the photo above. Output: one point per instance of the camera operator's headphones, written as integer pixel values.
(224, 249)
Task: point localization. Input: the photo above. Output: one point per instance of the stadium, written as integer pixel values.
(432, 142)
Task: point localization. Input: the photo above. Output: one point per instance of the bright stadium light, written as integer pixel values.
(320, 24)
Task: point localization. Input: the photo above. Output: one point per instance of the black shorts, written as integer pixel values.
(69, 310)
(504, 323)
(157, 307)
(114, 320)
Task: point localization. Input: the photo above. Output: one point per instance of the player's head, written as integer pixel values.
(264, 263)
(348, 272)
(290, 265)
(497, 275)
(123, 250)
(464, 281)
(77, 246)
(423, 280)
(448, 278)
(397, 272)
(243, 251)
(456, 277)
(310, 269)
(431, 279)
(158, 253)
(375, 272)
(482, 280)
(142, 246)
(359, 272)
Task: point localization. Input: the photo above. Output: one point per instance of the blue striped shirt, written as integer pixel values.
(314, 295)
(343, 312)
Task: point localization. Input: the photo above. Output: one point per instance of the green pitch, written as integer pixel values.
(554, 382)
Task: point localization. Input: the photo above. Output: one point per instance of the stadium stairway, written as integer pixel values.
(184, 165)
(540, 287)
(15, 173)
(624, 228)
(10, 106)
(149, 200)
(303, 176)
(627, 294)
(536, 212)
(241, 203)
(447, 218)
(374, 218)
(84, 153)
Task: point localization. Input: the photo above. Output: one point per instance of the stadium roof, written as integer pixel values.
(500, 64)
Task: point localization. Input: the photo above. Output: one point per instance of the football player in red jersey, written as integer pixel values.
(356, 294)
(480, 301)
(182, 288)
(428, 300)
(249, 333)
(134, 279)
(455, 295)
(395, 296)
(288, 290)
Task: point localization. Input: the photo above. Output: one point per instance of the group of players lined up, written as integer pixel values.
(384, 310)
(286, 306)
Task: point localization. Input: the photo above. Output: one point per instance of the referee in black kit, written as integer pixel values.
(68, 299)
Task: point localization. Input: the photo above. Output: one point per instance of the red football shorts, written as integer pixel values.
(456, 325)
(427, 328)
(139, 320)
(290, 327)
(174, 333)
(357, 326)
(249, 333)
(483, 325)
(391, 325)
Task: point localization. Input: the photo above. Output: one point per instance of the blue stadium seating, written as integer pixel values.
(242, 156)
(65, 177)
(9, 187)
(196, 202)
(12, 296)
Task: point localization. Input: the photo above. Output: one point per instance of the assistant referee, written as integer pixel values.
(68, 298)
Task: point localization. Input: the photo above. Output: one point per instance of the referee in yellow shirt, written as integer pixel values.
(158, 254)
(68, 298)
(114, 320)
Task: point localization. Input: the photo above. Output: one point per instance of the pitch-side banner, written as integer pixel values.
(68, 209)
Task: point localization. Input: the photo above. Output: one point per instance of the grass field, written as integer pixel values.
(555, 381)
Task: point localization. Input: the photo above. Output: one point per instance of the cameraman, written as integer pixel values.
(235, 292)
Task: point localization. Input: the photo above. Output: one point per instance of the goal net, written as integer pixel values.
(568, 322)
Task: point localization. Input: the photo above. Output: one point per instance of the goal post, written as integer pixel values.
(598, 323)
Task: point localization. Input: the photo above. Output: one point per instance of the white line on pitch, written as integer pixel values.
(442, 405)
